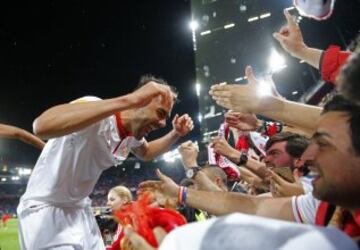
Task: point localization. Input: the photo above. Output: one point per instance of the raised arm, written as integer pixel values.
(251, 178)
(221, 146)
(181, 126)
(291, 39)
(189, 152)
(246, 98)
(13, 132)
(221, 203)
(67, 118)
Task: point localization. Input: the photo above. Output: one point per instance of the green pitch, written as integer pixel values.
(9, 236)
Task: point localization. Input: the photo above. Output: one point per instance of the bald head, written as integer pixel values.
(216, 175)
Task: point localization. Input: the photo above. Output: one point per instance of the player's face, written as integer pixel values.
(155, 115)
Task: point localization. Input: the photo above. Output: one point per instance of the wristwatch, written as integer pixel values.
(243, 159)
(191, 172)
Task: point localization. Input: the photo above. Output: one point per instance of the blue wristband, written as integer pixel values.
(184, 195)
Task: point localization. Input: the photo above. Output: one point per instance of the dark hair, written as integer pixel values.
(349, 78)
(295, 146)
(339, 103)
(144, 79)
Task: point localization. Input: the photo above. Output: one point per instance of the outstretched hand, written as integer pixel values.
(279, 187)
(240, 97)
(165, 185)
(241, 121)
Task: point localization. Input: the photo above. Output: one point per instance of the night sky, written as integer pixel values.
(52, 52)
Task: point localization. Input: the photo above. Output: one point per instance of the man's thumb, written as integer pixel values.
(160, 175)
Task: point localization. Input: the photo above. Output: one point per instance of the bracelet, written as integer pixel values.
(182, 195)
(181, 189)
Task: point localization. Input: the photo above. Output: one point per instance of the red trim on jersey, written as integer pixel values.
(321, 212)
(123, 133)
(349, 222)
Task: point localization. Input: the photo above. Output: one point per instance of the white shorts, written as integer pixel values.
(49, 227)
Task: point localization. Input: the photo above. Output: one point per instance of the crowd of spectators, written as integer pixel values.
(306, 172)
(8, 205)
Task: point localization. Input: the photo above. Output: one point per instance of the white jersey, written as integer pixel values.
(69, 167)
(307, 184)
(304, 208)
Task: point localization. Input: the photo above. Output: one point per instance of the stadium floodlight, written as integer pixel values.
(206, 32)
(265, 15)
(230, 25)
(252, 19)
(214, 132)
(137, 165)
(197, 88)
(24, 171)
(15, 178)
(193, 25)
(276, 62)
(239, 79)
(3, 179)
(264, 88)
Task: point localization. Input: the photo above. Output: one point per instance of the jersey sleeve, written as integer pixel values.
(331, 63)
